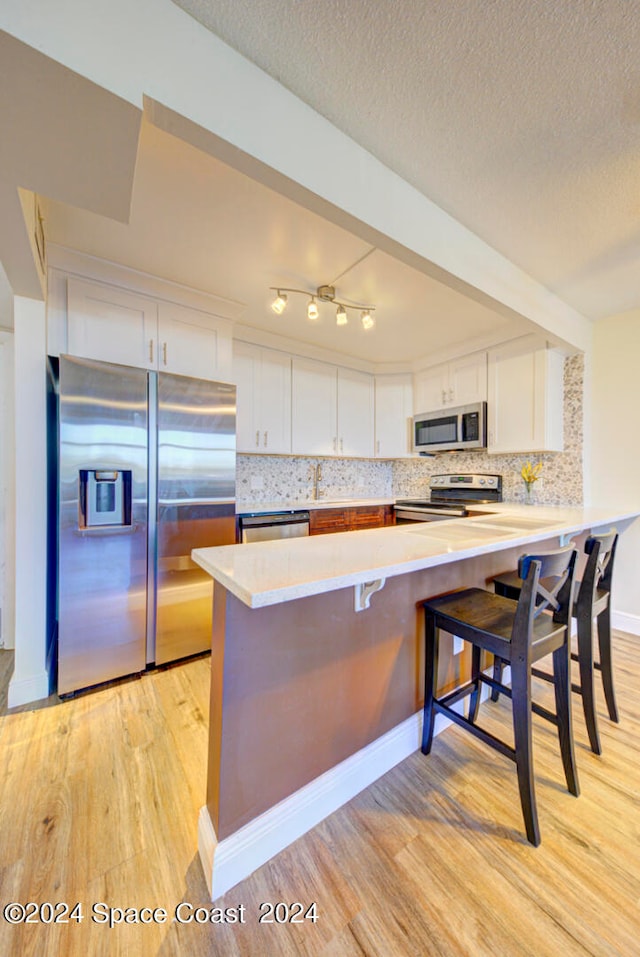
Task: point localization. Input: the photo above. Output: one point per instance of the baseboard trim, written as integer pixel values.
(625, 622)
(25, 690)
(227, 862)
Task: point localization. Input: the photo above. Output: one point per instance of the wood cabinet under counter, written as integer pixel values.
(323, 521)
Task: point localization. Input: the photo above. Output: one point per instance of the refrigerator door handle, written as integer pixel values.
(96, 531)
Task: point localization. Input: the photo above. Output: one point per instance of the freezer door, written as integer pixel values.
(196, 506)
(102, 568)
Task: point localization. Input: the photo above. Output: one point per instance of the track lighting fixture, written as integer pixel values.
(324, 294)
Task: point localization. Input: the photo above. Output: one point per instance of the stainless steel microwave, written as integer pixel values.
(448, 430)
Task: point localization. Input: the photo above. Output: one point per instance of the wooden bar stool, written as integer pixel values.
(519, 632)
(593, 601)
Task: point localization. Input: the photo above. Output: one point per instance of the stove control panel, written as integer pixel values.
(468, 481)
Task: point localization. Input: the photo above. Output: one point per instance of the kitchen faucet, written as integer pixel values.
(315, 473)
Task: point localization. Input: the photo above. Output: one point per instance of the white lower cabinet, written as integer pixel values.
(525, 397)
(263, 382)
(393, 415)
(111, 324)
(332, 410)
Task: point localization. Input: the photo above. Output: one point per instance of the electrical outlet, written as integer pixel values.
(458, 645)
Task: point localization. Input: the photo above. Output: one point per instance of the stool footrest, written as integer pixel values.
(480, 733)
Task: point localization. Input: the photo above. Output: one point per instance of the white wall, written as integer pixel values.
(615, 446)
(7, 493)
(30, 679)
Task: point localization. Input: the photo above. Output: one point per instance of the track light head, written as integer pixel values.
(279, 304)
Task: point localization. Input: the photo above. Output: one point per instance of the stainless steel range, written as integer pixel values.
(450, 494)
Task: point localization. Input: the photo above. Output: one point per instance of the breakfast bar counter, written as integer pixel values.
(317, 664)
(267, 573)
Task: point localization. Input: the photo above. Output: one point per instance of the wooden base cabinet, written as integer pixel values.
(323, 521)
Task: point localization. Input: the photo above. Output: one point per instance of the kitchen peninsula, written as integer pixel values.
(317, 664)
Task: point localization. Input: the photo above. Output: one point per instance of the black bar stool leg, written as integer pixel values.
(562, 688)
(474, 701)
(498, 669)
(606, 665)
(585, 663)
(521, 702)
(430, 679)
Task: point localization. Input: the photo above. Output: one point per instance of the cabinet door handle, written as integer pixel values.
(335, 443)
(151, 350)
(378, 447)
(444, 397)
(257, 438)
(450, 395)
(164, 352)
(265, 443)
(341, 446)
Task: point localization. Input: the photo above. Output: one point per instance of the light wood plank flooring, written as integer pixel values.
(99, 802)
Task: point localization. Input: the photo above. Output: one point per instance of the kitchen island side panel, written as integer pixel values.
(300, 686)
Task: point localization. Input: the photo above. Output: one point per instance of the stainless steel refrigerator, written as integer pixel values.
(144, 472)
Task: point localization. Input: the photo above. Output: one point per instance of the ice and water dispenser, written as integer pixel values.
(105, 497)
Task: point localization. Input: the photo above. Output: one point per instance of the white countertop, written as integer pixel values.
(262, 508)
(267, 573)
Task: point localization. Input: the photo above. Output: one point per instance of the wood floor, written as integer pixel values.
(99, 802)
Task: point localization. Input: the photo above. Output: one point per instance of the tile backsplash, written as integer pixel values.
(271, 478)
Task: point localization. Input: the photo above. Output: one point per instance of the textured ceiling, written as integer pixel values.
(521, 118)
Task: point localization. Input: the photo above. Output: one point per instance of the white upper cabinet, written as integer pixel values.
(263, 381)
(314, 407)
(525, 399)
(459, 382)
(111, 324)
(332, 410)
(355, 413)
(393, 418)
(194, 343)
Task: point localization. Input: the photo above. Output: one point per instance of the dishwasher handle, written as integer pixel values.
(273, 518)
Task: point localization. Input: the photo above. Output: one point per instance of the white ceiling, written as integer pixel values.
(521, 118)
(198, 222)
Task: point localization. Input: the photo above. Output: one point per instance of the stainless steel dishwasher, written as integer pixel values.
(267, 526)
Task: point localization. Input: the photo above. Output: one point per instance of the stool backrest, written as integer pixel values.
(598, 571)
(556, 569)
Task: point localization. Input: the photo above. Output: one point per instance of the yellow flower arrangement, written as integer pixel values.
(531, 473)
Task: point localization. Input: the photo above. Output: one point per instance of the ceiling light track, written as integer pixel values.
(324, 294)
